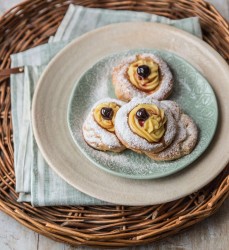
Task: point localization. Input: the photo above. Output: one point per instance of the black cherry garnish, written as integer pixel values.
(143, 71)
(142, 114)
(107, 113)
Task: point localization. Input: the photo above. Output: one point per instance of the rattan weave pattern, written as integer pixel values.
(30, 24)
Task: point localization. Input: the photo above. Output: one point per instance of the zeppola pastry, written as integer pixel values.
(158, 129)
(185, 139)
(142, 75)
(98, 128)
(145, 125)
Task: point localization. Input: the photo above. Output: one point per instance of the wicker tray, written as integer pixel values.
(30, 24)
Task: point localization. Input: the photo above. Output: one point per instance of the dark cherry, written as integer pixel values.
(143, 71)
(142, 114)
(107, 113)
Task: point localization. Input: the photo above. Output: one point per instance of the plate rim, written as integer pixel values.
(150, 176)
(91, 192)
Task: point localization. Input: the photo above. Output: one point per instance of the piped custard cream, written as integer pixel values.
(144, 74)
(148, 121)
(104, 115)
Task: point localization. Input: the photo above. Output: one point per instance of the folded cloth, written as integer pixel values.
(35, 180)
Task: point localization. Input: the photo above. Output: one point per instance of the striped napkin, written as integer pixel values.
(36, 182)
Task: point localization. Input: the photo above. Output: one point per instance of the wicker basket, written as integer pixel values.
(30, 24)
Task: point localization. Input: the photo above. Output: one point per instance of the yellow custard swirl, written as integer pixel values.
(153, 128)
(104, 123)
(149, 83)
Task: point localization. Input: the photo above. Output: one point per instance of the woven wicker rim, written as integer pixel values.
(30, 24)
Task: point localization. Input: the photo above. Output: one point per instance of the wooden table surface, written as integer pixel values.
(211, 234)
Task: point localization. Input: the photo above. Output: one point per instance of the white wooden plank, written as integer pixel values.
(14, 236)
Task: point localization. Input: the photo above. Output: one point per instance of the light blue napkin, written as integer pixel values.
(35, 180)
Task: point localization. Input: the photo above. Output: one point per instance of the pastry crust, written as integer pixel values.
(98, 137)
(125, 90)
(134, 141)
(186, 137)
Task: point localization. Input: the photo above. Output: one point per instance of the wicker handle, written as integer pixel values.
(5, 73)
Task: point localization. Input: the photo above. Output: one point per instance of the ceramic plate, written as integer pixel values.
(191, 91)
(52, 95)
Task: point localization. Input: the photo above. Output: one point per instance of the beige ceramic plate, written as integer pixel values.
(51, 100)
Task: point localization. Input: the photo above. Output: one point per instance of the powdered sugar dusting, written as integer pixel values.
(126, 86)
(135, 141)
(185, 138)
(191, 91)
(174, 108)
(184, 141)
(192, 133)
(95, 135)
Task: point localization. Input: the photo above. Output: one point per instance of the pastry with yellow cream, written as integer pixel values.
(98, 128)
(158, 129)
(142, 75)
(145, 125)
(185, 139)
